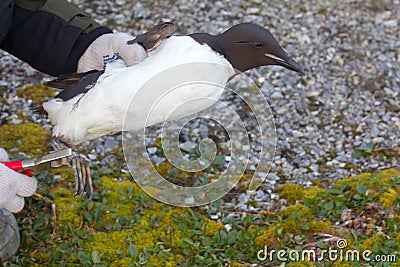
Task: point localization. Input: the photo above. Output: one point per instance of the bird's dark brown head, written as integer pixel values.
(248, 46)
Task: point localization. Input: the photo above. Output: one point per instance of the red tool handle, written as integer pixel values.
(14, 165)
(17, 166)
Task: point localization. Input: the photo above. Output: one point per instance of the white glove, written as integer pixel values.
(109, 47)
(14, 186)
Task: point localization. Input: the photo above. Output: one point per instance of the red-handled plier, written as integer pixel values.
(34, 166)
(64, 157)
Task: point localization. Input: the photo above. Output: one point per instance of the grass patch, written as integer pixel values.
(123, 226)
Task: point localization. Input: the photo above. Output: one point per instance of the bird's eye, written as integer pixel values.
(258, 45)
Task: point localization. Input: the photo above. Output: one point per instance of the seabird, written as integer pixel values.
(96, 103)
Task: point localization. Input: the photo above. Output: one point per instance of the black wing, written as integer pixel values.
(74, 84)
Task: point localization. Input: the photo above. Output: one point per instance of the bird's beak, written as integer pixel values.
(289, 63)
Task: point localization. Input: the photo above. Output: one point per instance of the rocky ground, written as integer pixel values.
(341, 118)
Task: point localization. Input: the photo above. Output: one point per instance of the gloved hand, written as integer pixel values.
(109, 47)
(14, 186)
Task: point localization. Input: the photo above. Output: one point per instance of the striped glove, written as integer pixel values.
(109, 47)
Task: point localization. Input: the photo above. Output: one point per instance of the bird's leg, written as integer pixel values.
(82, 176)
(88, 186)
(80, 166)
(75, 163)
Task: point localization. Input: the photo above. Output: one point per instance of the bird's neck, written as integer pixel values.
(211, 40)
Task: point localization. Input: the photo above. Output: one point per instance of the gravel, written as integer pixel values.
(347, 103)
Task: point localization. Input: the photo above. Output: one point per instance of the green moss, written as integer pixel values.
(291, 192)
(374, 182)
(266, 236)
(294, 192)
(313, 192)
(156, 233)
(237, 264)
(299, 219)
(340, 263)
(382, 186)
(170, 261)
(301, 211)
(296, 219)
(301, 264)
(353, 181)
(67, 177)
(118, 187)
(29, 138)
(40, 256)
(369, 243)
(158, 225)
(211, 227)
(110, 245)
(307, 227)
(122, 262)
(119, 198)
(123, 226)
(68, 208)
(389, 198)
(387, 174)
(37, 93)
(320, 226)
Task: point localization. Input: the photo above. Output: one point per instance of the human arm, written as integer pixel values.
(53, 35)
